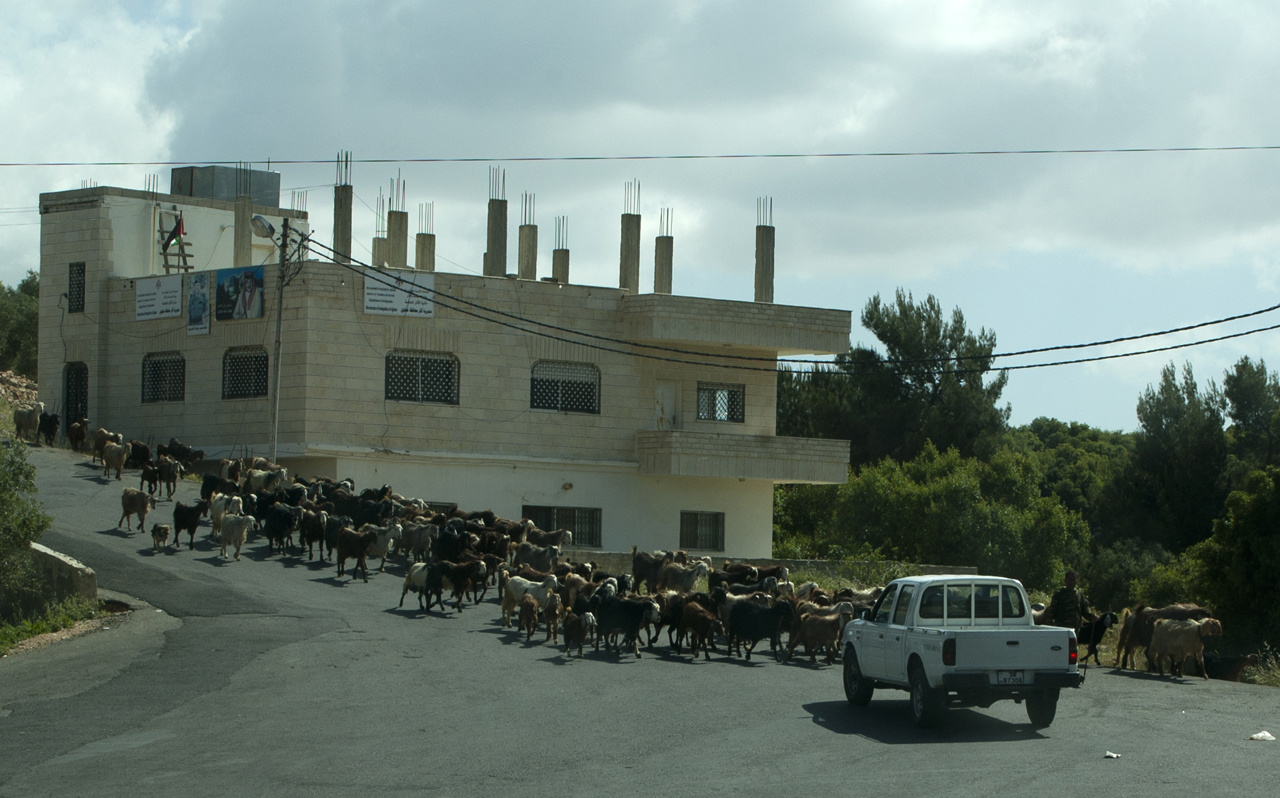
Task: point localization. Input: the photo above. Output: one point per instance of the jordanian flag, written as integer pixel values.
(174, 237)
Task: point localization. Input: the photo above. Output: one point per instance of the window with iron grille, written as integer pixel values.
(422, 377)
(721, 401)
(702, 531)
(75, 288)
(583, 522)
(565, 386)
(244, 373)
(164, 377)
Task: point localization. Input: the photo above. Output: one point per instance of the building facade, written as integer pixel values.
(633, 419)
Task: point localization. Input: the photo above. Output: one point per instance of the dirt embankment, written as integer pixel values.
(16, 390)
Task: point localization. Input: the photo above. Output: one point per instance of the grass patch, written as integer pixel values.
(55, 618)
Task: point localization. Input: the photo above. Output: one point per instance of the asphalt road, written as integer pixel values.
(272, 676)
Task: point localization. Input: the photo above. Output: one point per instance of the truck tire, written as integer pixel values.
(856, 688)
(1041, 707)
(926, 702)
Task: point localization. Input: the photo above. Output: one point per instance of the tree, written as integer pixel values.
(1253, 405)
(946, 509)
(928, 386)
(19, 326)
(1175, 487)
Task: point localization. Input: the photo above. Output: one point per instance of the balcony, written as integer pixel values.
(707, 454)
(777, 329)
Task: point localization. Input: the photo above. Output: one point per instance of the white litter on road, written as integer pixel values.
(1262, 735)
(1111, 755)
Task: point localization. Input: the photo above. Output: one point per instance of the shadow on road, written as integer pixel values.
(889, 721)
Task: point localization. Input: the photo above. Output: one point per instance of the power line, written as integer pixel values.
(673, 156)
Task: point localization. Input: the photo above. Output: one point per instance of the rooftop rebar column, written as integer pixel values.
(629, 261)
(663, 247)
(495, 256)
(764, 249)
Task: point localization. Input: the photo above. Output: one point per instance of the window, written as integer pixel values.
(564, 386)
(75, 288)
(583, 522)
(702, 531)
(880, 613)
(422, 377)
(721, 402)
(244, 373)
(164, 377)
(904, 603)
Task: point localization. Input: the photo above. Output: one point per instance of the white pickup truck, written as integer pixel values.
(958, 640)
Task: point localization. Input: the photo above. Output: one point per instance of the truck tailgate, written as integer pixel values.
(1013, 649)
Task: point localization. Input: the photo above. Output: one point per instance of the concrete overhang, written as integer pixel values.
(707, 454)
(693, 321)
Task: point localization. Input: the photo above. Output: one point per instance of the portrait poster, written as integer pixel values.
(158, 297)
(198, 307)
(239, 293)
(399, 293)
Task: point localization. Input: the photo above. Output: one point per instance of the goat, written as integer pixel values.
(100, 440)
(647, 568)
(1137, 625)
(543, 558)
(1092, 632)
(529, 609)
(552, 609)
(681, 578)
(819, 631)
(170, 471)
(187, 519)
(235, 529)
(1180, 639)
(354, 545)
(135, 502)
(622, 616)
(26, 421)
(749, 623)
(577, 628)
(113, 456)
(516, 588)
(78, 433)
(700, 624)
(48, 428)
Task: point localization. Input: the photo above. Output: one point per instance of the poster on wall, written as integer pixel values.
(198, 303)
(399, 293)
(239, 294)
(158, 297)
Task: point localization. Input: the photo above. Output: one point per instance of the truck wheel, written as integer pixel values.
(1041, 707)
(926, 702)
(856, 688)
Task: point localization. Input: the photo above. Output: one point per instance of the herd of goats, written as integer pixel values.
(460, 555)
(463, 554)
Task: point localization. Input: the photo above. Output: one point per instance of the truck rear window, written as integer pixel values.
(966, 602)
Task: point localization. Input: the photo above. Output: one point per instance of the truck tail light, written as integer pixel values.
(1074, 654)
(949, 652)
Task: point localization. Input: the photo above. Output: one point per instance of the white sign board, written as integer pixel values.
(399, 293)
(158, 297)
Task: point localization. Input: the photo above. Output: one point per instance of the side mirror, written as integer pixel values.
(863, 614)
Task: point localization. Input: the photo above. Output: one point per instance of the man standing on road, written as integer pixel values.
(1068, 606)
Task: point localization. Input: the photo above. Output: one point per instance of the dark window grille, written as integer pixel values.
(443, 508)
(702, 531)
(164, 377)
(564, 386)
(721, 402)
(244, 373)
(77, 393)
(75, 288)
(583, 522)
(422, 377)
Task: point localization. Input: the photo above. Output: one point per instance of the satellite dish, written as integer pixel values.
(261, 227)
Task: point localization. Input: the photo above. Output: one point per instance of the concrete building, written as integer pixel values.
(448, 391)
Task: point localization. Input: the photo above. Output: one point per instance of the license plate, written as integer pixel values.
(1011, 677)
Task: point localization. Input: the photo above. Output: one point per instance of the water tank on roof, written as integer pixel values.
(222, 183)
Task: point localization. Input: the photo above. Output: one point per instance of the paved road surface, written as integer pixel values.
(271, 676)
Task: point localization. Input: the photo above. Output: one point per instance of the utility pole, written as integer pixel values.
(284, 264)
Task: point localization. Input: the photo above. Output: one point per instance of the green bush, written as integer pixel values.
(22, 594)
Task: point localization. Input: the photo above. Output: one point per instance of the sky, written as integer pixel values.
(1044, 249)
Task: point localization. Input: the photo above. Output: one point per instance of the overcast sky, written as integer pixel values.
(1042, 249)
